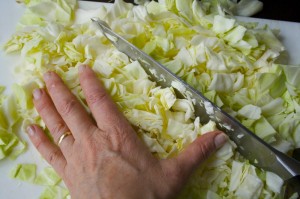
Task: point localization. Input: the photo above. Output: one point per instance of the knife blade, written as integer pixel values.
(248, 144)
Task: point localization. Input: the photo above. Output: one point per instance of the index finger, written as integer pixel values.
(103, 108)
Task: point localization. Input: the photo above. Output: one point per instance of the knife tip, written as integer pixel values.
(94, 19)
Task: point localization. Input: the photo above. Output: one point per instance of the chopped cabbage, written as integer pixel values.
(10, 144)
(250, 111)
(40, 11)
(2, 88)
(242, 8)
(24, 172)
(231, 63)
(222, 24)
(235, 178)
(7, 143)
(47, 176)
(250, 187)
(274, 182)
(54, 192)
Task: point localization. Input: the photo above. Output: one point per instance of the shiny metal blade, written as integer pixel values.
(249, 145)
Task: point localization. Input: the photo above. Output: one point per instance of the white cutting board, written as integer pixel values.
(10, 12)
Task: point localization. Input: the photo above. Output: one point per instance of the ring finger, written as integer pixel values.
(52, 119)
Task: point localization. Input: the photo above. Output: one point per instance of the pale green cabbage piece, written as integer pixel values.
(7, 143)
(235, 177)
(40, 11)
(294, 196)
(250, 111)
(233, 7)
(231, 63)
(54, 192)
(47, 176)
(3, 121)
(247, 7)
(10, 144)
(274, 182)
(250, 187)
(222, 24)
(2, 88)
(24, 172)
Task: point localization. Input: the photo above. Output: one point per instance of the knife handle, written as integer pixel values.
(296, 154)
(284, 165)
(291, 187)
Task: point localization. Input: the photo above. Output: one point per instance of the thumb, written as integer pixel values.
(198, 151)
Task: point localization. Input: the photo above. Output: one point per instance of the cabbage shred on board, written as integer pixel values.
(232, 63)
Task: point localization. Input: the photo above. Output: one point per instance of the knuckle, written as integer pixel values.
(204, 151)
(58, 129)
(119, 139)
(97, 140)
(91, 138)
(93, 149)
(66, 107)
(42, 105)
(38, 144)
(53, 156)
(105, 137)
(95, 97)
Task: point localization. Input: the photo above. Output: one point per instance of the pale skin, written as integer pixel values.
(103, 157)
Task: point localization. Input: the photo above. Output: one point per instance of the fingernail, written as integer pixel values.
(30, 130)
(47, 76)
(37, 93)
(220, 140)
(82, 68)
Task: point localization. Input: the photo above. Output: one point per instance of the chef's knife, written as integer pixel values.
(248, 144)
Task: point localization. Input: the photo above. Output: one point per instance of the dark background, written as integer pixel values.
(285, 10)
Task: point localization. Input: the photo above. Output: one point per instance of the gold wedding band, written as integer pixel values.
(63, 136)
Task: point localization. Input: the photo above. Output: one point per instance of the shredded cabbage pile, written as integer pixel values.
(232, 63)
(10, 118)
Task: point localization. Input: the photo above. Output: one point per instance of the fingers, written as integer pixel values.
(68, 107)
(201, 149)
(103, 108)
(52, 118)
(196, 153)
(47, 149)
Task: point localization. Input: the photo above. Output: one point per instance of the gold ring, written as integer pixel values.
(63, 136)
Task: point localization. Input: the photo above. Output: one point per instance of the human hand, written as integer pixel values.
(103, 157)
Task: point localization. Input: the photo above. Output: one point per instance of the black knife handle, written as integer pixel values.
(291, 186)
